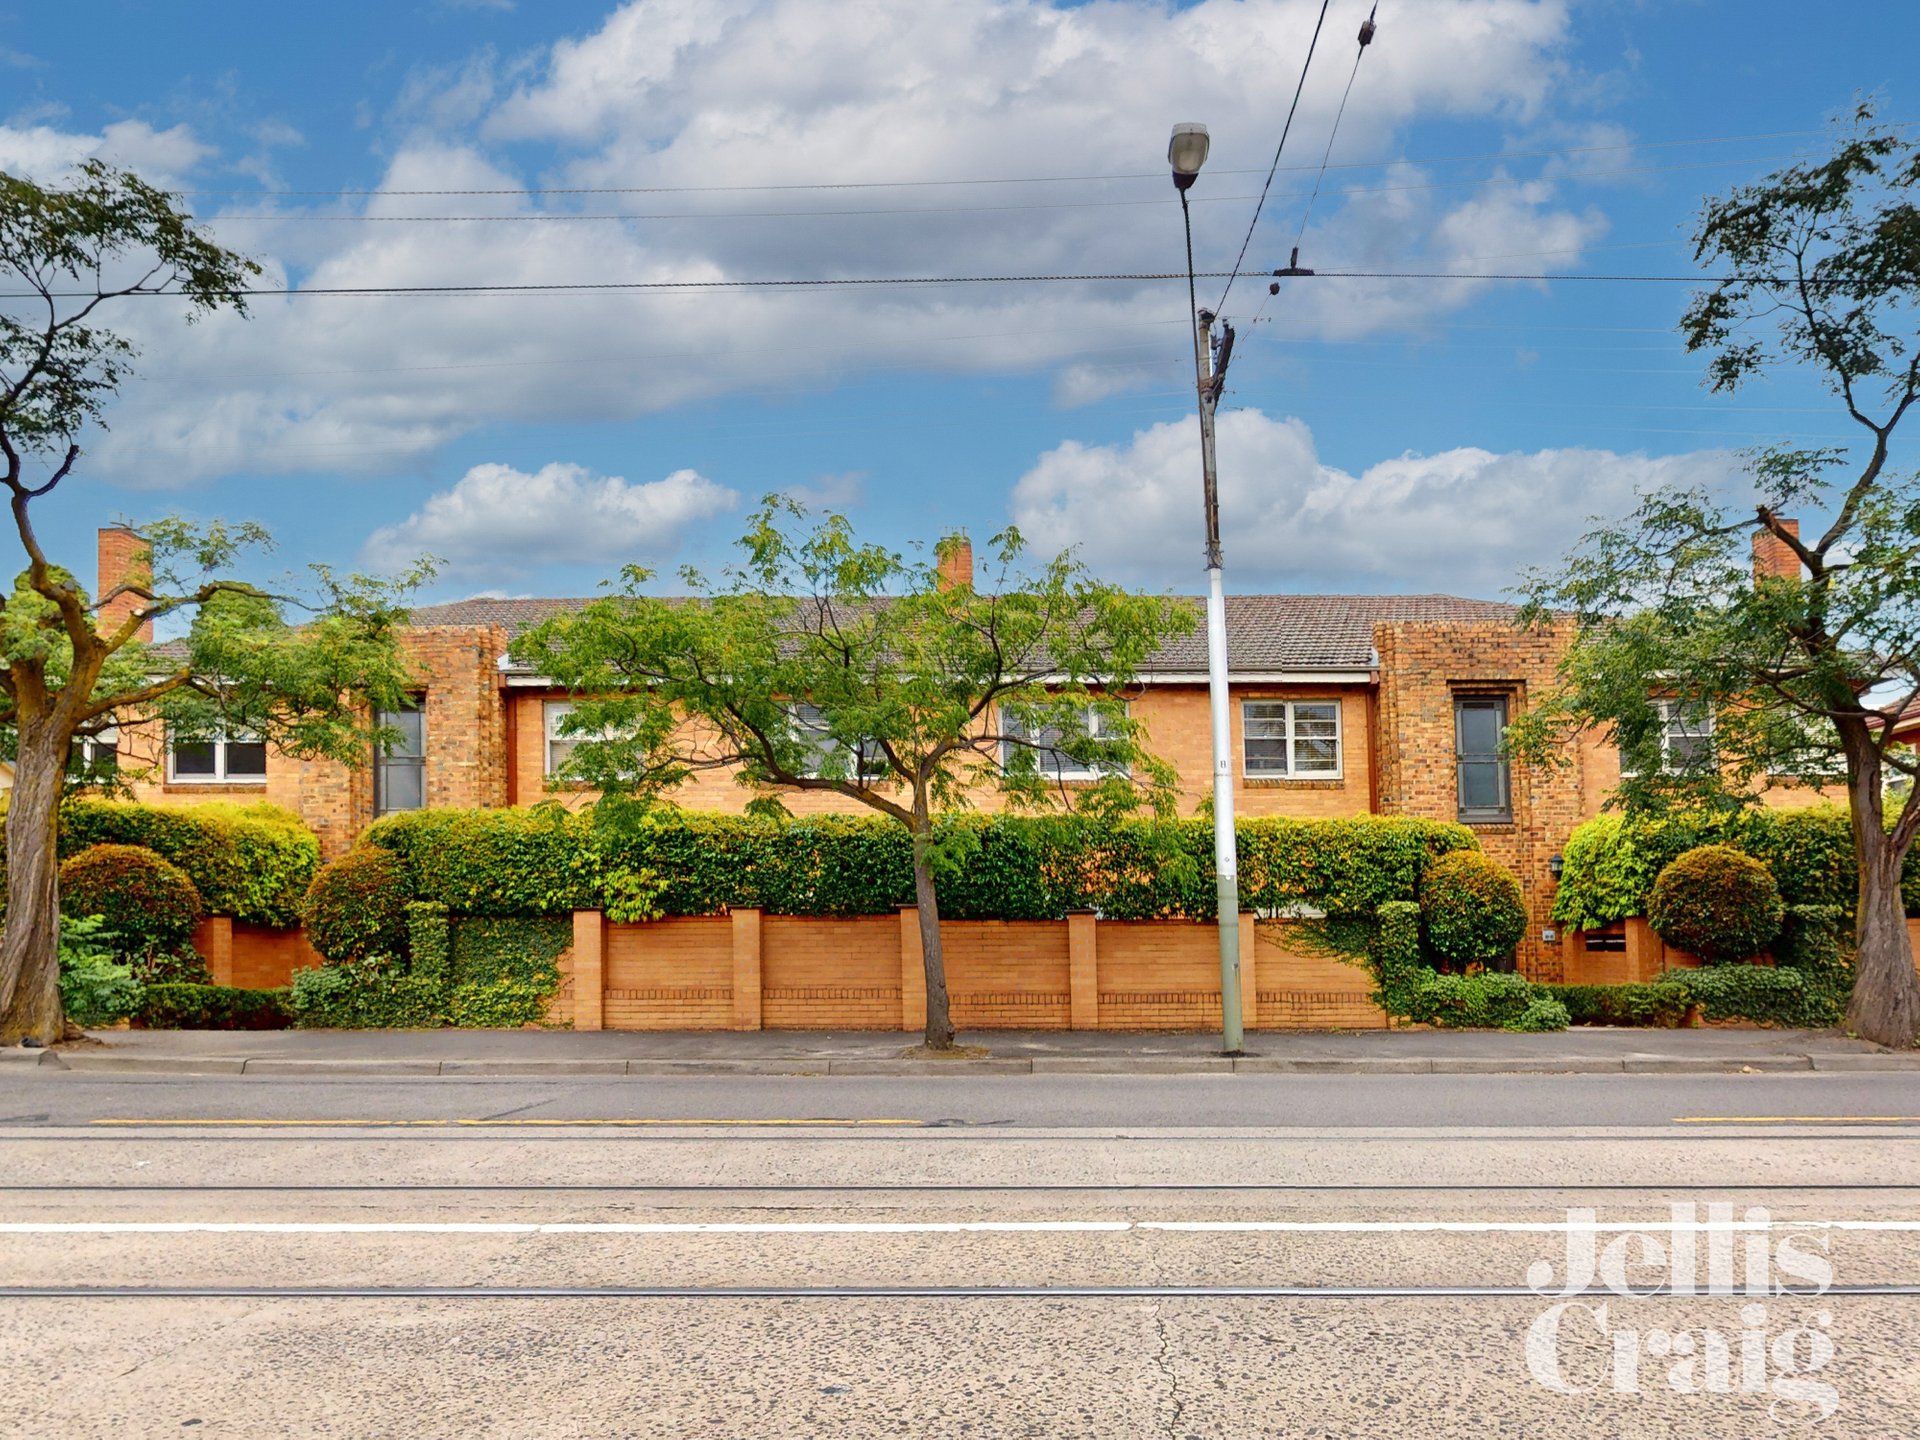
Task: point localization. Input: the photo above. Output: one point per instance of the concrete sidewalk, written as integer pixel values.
(772, 1052)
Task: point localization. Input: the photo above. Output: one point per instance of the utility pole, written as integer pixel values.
(1186, 152)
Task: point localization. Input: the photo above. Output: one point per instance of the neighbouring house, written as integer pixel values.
(1342, 705)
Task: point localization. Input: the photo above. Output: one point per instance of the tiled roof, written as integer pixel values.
(1264, 632)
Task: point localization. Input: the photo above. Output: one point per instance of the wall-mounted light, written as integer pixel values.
(1556, 867)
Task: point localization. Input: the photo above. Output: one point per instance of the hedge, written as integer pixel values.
(1613, 861)
(357, 907)
(212, 1007)
(251, 862)
(546, 861)
(1490, 1001)
(146, 902)
(1472, 910)
(1716, 902)
(365, 995)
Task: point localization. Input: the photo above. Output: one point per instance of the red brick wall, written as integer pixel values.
(830, 974)
(670, 975)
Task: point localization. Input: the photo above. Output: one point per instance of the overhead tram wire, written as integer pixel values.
(349, 192)
(917, 281)
(1367, 28)
(1301, 85)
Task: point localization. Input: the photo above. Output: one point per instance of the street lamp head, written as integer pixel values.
(1187, 152)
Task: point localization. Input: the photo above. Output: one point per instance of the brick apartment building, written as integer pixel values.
(1342, 705)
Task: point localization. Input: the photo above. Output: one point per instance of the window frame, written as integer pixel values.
(221, 775)
(1501, 814)
(384, 760)
(1667, 707)
(869, 765)
(1057, 774)
(1292, 740)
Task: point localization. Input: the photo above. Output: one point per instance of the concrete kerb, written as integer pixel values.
(82, 1060)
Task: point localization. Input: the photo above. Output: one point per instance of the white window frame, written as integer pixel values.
(220, 774)
(1077, 772)
(88, 749)
(1292, 740)
(552, 712)
(864, 769)
(1668, 710)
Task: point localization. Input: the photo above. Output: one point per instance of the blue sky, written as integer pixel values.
(1404, 435)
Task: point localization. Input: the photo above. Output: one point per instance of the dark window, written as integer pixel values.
(400, 770)
(237, 758)
(1485, 783)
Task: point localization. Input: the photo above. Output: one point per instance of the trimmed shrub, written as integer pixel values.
(1817, 941)
(429, 942)
(357, 907)
(1612, 862)
(1717, 903)
(1761, 993)
(1659, 1004)
(1394, 957)
(365, 994)
(212, 1007)
(546, 861)
(1474, 1001)
(526, 950)
(1472, 909)
(146, 901)
(505, 1004)
(252, 862)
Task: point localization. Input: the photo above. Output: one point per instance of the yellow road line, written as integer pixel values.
(562, 1124)
(1796, 1119)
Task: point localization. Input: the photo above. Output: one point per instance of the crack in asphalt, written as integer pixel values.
(1163, 1361)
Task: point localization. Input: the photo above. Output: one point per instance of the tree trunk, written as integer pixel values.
(29, 946)
(1886, 992)
(939, 1017)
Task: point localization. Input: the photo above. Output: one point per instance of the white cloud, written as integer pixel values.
(42, 153)
(1466, 521)
(498, 521)
(687, 95)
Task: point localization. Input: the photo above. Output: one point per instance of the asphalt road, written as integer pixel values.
(1058, 1256)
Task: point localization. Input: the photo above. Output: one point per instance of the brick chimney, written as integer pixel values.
(956, 563)
(123, 556)
(1773, 556)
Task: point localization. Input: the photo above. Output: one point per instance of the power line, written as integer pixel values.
(306, 217)
(1160, 175)
(1247, 240)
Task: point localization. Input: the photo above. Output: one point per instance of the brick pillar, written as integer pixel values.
(122, 558)
(1083, 971)
(213, 938)
(746, 970)
(913, 972)
(589, 970)
(1249, 970)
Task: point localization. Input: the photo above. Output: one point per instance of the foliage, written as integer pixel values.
(504, 1004)
(823, 664)
(1803, 674)
(146, 901)
(1471, 909)
(504, 863)
(1613, 860)
(251, 862)
(519, 951)
(95, 989)
(213, 1007)
(1749, 992)
(370, 993)
(180, 965)
(1717, 903)
(1487, 1001)
(1661, 1003)
(1543, 1013)
(1815, 941)
(1394, 956)
(429, 942)
(357, 906)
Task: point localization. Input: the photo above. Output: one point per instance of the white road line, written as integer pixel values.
(924, 1227)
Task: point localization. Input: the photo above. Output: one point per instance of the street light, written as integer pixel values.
(1186, 153)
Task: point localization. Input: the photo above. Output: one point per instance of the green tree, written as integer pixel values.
(71, 664)
(1801, 675)
(824, 664)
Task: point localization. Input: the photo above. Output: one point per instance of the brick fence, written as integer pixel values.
(749, 971)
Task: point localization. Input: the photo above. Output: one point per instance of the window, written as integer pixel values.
(400, 770)
(1686, 738)
(1055, 764)
(559, 747)
(1485, 785)
(227, 759)
(864, 761)
(95, 758)
(1291, 739)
